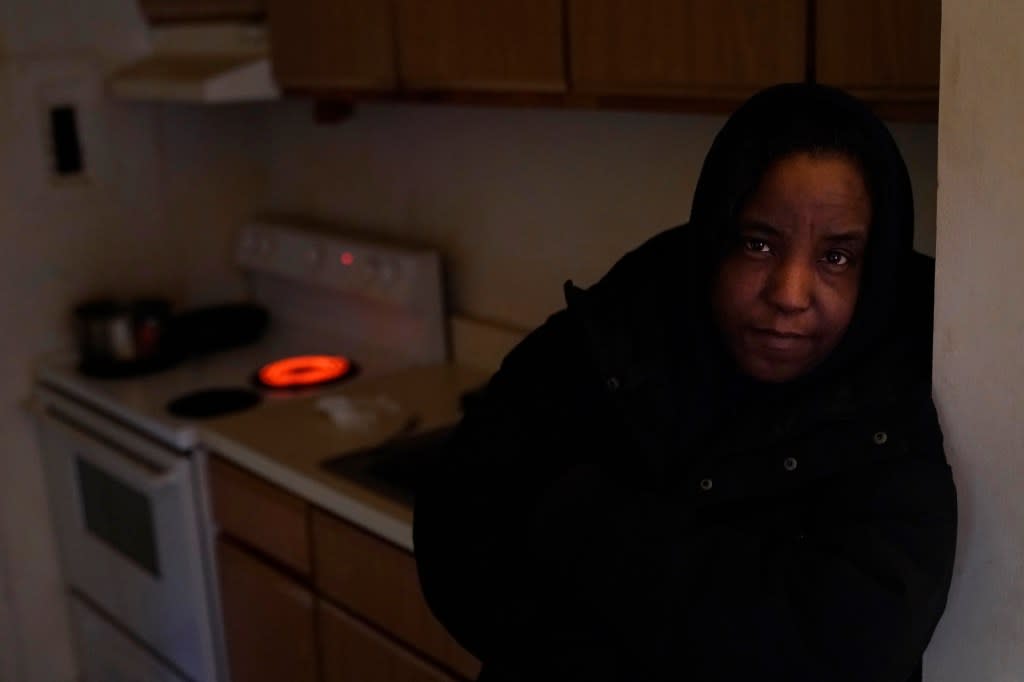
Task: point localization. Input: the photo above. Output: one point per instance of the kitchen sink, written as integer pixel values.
(393, 469)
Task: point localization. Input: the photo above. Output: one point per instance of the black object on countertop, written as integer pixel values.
(469, 399)
(123, 370)
(395, 468)
(119, 338)
(169, 338)
(217, 327)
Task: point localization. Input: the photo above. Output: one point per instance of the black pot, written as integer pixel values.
(116, 336)
(217, 327)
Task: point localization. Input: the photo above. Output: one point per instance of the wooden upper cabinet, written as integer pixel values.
(695, 48)
(332, 45)
(159, 11)
(885, 49)
(475, 45)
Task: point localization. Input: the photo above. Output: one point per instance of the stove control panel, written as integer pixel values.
(383, 272)
(355, 290)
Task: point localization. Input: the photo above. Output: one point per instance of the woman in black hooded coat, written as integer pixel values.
(646, 490)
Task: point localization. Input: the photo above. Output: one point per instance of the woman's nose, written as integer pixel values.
(791, 286)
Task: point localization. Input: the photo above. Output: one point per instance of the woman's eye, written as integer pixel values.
(837, 258)
(756, 245)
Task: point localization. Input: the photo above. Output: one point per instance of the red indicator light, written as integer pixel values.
(347, 258)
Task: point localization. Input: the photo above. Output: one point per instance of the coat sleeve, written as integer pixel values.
(545, 558)
(483, 568)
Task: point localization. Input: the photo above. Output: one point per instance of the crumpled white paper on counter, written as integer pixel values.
(357, 413)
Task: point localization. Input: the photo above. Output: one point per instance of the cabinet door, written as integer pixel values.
(378, 582)
(879, 47)
(269, 620)
(497, 45)
(698, 48)
(157, 11)
(324, 45)
(260, 515)
(353, 652)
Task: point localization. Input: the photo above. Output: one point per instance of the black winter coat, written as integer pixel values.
(818, 547)
(615, 507)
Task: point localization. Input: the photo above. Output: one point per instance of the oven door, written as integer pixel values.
(130, 540)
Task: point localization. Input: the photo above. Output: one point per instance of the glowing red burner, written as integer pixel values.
(304, 370)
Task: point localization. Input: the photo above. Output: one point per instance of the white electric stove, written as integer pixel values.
(127, 477)
(380, 306)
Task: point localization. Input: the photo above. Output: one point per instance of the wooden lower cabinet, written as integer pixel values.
(378, 581)
(260, 515)
(282, 562)
(269, 620)
(353, 652)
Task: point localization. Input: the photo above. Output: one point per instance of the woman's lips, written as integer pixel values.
(781, 342)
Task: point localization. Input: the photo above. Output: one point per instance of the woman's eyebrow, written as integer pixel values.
(760, 227)
(853, 235)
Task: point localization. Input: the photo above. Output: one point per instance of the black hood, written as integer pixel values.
(793, 118)
(648, 322)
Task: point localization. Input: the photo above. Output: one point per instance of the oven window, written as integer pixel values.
(119, 515)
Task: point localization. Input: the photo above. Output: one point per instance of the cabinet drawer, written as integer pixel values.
(260, 515)
(353, 652)
(378, 581)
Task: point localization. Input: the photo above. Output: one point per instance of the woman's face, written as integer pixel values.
(786, 293)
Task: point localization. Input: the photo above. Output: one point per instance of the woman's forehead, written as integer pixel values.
(828, 185)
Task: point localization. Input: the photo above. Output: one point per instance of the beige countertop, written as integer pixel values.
(286, 441)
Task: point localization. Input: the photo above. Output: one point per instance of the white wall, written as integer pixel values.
(157, 218)
(518, 199)
(979, 334)
(108, 28)
(166, 187)
(62, 240)
(51, 234)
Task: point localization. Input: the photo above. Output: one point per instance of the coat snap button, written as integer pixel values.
(706, 484)
(612, 383)
(789, 464)
(881, 437)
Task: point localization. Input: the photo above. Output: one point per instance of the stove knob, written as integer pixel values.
(249, 248)
(371, 270)
(387, 273)
(266, 246)
(314, 256)
(380, 272)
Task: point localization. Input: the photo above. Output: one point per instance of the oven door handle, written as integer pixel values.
(137, 474)
(136, 471)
